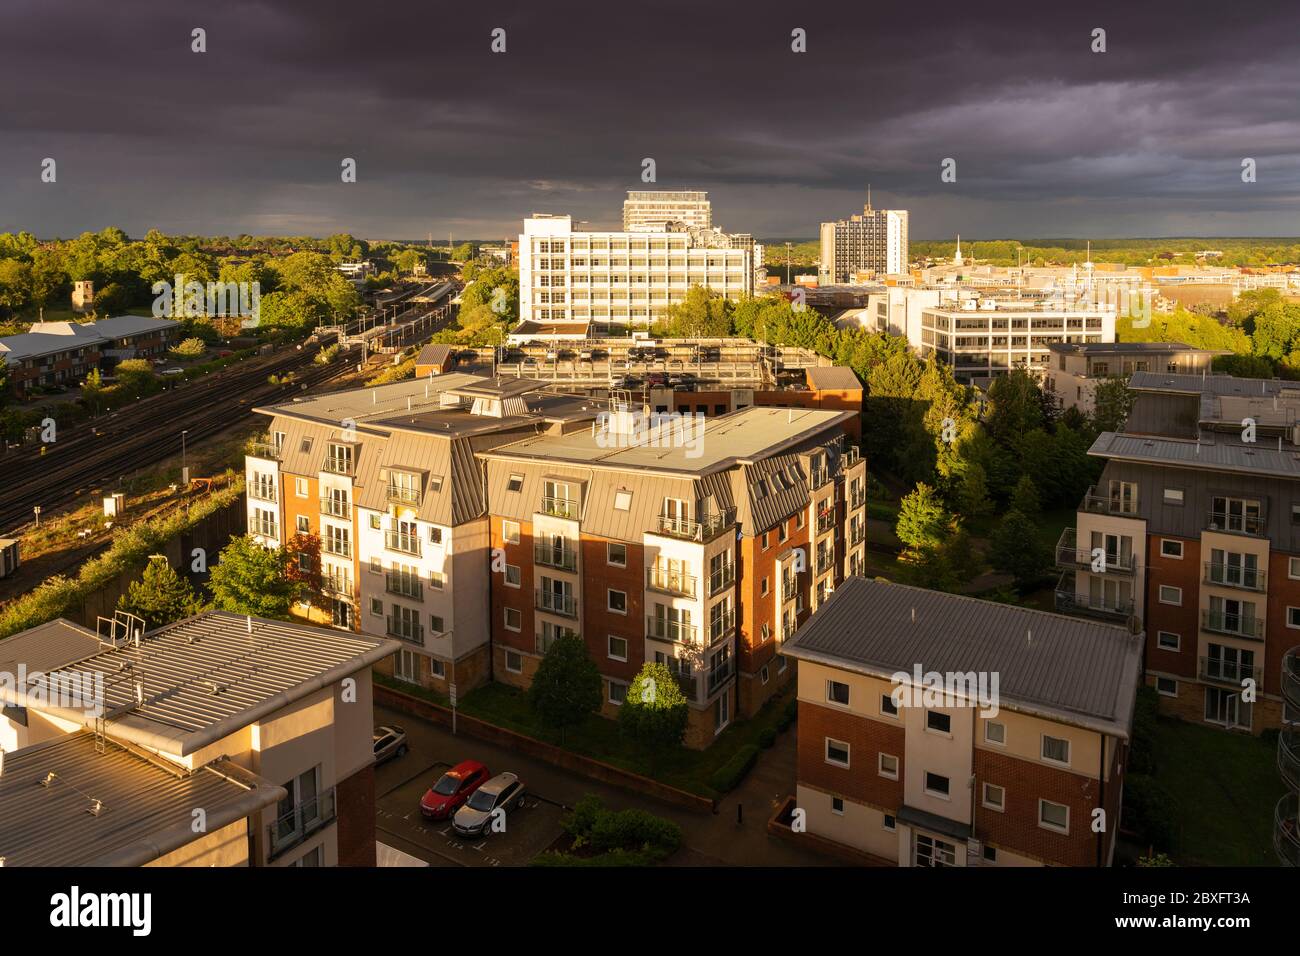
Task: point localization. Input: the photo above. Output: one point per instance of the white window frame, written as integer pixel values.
(505, 619)
(609, 554)
(1178, 641)
(1052, 827)
(990, 740)
(1166, 693)
(1160, 595)
(840, 801)
(830, 699)
(519, 574)
(897, 712)
(508, 535)
(934, 730)
(609, 601)
(610, 684)
(519, 657)
(609, 647)
(1042, 750)
(1001, 805)
(826, 753)
(1166, 554)
(1290, 609)
(925, 785)
(880, 766)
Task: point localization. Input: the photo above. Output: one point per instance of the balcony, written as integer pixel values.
(674, 526)
(663, 629)
(857, 535)
(825, 521)
(406, 628)
(336, 466)
(262, 449)
(336, 507)
(1236, 625)
(555, 556)
(1069, 601)
(261, 490)
(266, 529)
(1094, 503)
(1288, 756)
(560, 507)
(724, 577)
(1070, 555)
(404, 495)
(719, 676)
(825, 562)
(338, 584)
(1235, 523)
(406, 585)
(857, 499)
(557, 602)
(544, 641)
(1291, 677)
(1286, 830)
(670, 581)
(339, 547)
(852, 455)
(722, 627)
(690, 685)
(293, 828)
(1235, 576)
(1217, 671)
(403, 542)
(820, 477)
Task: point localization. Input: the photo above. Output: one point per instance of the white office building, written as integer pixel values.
(874, 242)
(609, 282)
(655, 207)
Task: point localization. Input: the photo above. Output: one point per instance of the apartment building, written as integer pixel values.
(63, 353)
(220, 740)
(387, 479)
(614, 281)
(701, 544)
(927, 779)
(874, 242)
(1075, 368)
(1193, 530)
(657, 207)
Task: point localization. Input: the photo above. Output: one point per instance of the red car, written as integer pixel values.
(453, 788)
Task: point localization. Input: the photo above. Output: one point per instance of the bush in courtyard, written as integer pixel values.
(728, 776)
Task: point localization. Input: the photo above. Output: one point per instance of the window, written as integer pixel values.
(622, 501)
(1171, 595)
(617, 601)
(887, 706)
(513, 577)
(1293, 617)
(837, 806)
(510, 532)
(1168, 640)
(376, 566)
(516, 483)
(995, 732)
(300, 487)
(437, 623)
(765, 541)
(837, 692)
(763, 674)
(1170, 548)
(617, 693)
(406, 666)
(888, 766)
(1053, 816)
(780, 661)
(837, 752)
(1173, 496)
(513, 619)
(616, 554)
(800, 520)
(304, 524)
(374, 522)
(305, 447)
(437, 669)
(617, 648)
(377, 607)
(435, 483)
(781, 534)
(995, 797)
(437, 580)
(936, 785)
(764, 587)
(939, 723)
(1293, 568)
(990, 854)
(514, 662)
(1166, 687)
(1055, 749)
(889, 823)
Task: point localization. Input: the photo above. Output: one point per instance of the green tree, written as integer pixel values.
(567, 686)
(655, 711)
(973, 491)
(161, 596)
(189, 348)
(1112, 401)
(251, 579)
(1024, 497)
(922, 521)
(1015, 549)
(1015, 405)
(92, 391)
(15, 284)
(702, 314)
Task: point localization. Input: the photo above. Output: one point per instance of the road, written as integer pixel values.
(709, 840)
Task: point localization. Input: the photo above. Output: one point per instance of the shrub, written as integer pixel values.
(767, 737)
(1141, 754)
(728, 776)
(789, 715)
(1149, 811)
(635, 830)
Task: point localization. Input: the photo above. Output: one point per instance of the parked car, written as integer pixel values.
(624, 381)
(390, 742)
(504, 792)
(452, 789)
(706, 353)
(656, 379)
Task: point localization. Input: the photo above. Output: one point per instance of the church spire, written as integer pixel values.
(868, 209)
(957, 259)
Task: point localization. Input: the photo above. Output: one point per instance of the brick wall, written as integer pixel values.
(355, 807)
(866, 738)
(1184, 621)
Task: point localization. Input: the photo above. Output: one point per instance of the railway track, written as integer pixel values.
(147, 432)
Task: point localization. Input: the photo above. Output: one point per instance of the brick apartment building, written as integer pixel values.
(63, 353)
(267, 727)
(705, 558)
(945, 782)
(1199, 530)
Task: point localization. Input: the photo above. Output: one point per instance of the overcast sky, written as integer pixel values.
(1050, 139)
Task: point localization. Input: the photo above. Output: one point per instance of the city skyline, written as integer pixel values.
(1050, 138)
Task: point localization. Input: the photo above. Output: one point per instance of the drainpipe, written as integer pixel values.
(1101, 781)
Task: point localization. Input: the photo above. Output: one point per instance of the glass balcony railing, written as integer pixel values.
(670, 581)
(675, 526)
(263, 449)
(1218, 671)
(403, 542)
(1235, 576)
(722, 626)
(336, 507)
(261, 490)
(557, 602)
(404, 495)
(1070, 601)
(1115, 504)
(1237, 625)
(404, 584)
(266, 529)
(663, 629)
(291, 829)
(721, 579)
(560, 556)
(1234, 523)
(339, 547)
(560, 507)
(719, 676)
(406, 628)
(1070, 555)
(337, 466)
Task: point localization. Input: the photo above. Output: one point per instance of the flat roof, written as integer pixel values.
(1067, 669)
(1118, 347)
(1214, 455)
(207, 676)
(63, 803)
(701, 446)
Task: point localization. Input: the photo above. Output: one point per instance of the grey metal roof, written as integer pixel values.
(1206, 384)
(209, 675)
(833, 377)
(435, 353)
(145, 809)
(1260, 458)
(47, 338)
(1108, 348)
(47, 646)
(1063, 668)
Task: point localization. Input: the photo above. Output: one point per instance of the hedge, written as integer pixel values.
(728, 776)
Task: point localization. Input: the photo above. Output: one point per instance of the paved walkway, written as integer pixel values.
(708, 839)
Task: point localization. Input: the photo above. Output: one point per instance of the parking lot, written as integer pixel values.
(402, 781)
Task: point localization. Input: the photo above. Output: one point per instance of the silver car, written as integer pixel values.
(389, 742)
(503, 792)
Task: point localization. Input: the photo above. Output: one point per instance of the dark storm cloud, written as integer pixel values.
(1049, 138)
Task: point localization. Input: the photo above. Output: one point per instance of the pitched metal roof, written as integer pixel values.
(209, 675)
(47, 646)
(832, 377)
(64, 804)
(1062, 668)
(1253, 459)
